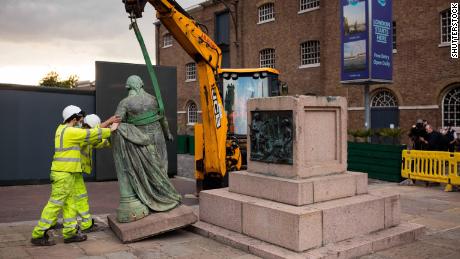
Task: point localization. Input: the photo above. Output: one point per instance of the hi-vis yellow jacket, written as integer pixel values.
(87, 153)
(67, 142)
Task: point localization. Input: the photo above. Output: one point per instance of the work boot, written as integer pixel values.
(78, 237)
(43, 241)
(94, 228)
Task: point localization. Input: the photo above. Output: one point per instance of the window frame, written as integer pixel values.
(189, 72)
(307, 2)
(170, 40)
(190, 116)
(316, 54)
(449, 28)
(266, 60)
(384, 91)
(455, 87)
(269, 6)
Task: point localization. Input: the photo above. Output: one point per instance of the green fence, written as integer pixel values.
(379, 161)
(186, 144)
(191, 145)
(182, 144)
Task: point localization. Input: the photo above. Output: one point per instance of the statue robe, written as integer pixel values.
(140, 153)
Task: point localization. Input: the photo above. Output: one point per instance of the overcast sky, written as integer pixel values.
(68, 36)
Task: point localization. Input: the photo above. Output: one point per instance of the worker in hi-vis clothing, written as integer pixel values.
(91, 121)
(66, 166)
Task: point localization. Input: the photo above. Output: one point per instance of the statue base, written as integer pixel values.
(131, 209)
(153, 224)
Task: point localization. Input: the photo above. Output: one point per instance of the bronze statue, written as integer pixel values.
(140, 155)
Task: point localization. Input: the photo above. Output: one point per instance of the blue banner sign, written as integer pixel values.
(367, 41)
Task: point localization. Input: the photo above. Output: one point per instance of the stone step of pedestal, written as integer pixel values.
(350, 248)
(299, 227)
(153, 224)
(298, 191)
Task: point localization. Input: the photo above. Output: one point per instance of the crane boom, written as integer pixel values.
(208, 57)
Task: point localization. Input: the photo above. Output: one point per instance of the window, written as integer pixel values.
(308, 4)
(309, 53)
(451, 107)
(267, 13)
(445, 26)
(394, 36)
(190, 72)
(267, 58)
(167, 40)
(384, 98)
(192, 113)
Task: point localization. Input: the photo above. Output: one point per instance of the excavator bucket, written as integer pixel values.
(135, 7)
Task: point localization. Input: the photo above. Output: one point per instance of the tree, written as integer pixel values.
(52, 80)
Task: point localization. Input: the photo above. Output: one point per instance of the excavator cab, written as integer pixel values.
(237, 86)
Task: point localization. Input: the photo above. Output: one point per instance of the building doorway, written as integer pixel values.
(384, 113)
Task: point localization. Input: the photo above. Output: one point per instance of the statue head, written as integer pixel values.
(134, 84)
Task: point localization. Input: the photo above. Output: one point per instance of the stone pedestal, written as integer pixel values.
(306, 202)
(153, 224)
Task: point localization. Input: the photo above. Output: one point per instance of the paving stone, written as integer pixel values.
(14, 252)
(59, 250)
(100, 247)
(92, 257)
(142, 254)
(247, 256)
(182, 250)
(152, 255)
(174, 237)
(11, 238)
(16, 243)
(433, 225)
(449, 239)
(102, 235)
(416, 250)
(121, 255)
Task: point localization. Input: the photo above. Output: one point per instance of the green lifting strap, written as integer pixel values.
(153, 77)
(144, 118)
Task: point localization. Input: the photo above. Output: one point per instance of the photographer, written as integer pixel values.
(417, 134)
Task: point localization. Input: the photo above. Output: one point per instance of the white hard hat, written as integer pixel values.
(92, 120)
(69, 111)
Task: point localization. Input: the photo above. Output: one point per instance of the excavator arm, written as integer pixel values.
(208, 56)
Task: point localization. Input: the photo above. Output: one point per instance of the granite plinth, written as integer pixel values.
(153, 224)
(350, 248)
(298, 191)
(299, 228)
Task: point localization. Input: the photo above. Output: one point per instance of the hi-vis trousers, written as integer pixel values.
(62, 197)
(81, 202)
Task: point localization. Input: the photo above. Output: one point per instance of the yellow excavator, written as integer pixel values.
(220, 138)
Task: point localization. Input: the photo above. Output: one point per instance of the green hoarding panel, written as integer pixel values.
(379, 161)
(182, 144)
(191, 145)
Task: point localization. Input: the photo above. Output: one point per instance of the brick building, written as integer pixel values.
(301, 38)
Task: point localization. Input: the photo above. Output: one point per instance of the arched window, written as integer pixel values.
(267, 13)
(192, 113)
(384, 98)
(451, 107)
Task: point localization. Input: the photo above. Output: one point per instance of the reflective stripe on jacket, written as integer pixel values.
(67, 142)
(87, 154)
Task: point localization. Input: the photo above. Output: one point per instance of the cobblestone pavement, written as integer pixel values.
(429, 206)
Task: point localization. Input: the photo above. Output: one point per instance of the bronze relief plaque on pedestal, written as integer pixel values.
(272, 135)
